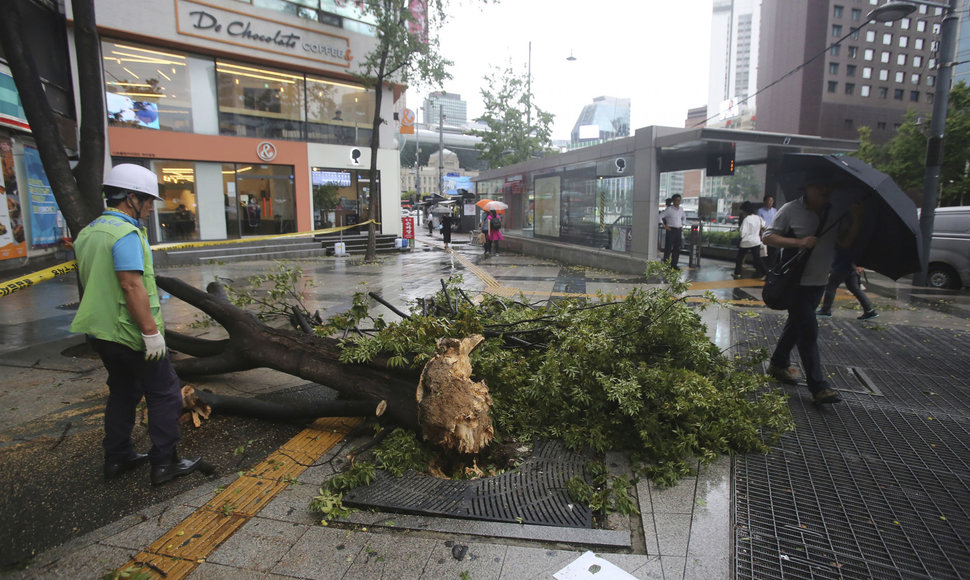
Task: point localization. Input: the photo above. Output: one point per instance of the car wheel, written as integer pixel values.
(942, 276)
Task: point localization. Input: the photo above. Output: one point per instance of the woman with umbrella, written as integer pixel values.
(493, 226)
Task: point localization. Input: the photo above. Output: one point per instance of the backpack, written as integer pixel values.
(496, 223)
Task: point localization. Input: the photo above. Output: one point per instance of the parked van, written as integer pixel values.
(950, 251)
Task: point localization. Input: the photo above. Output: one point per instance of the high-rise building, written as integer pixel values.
(869, 79)
(733, 71)
(604, 119)
(455, 109)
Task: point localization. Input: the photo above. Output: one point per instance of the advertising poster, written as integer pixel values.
(408, 228)
(43, 209)
(124, 110)
(12, 244)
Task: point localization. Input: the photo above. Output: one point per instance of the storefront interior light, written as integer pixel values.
(254, 76)
(169, 54)
(159, 71)
(147, 95)
(279, 75)
(140, 58)
(123, 84)
(336, 84)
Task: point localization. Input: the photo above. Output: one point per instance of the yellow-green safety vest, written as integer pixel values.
(103, 312)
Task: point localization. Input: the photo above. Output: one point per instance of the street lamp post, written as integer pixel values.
(892, 11)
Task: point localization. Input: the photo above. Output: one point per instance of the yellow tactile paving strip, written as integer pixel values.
(177, 553)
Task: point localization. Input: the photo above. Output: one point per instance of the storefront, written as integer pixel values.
(588, 203)
(231, 105)
(30, 224)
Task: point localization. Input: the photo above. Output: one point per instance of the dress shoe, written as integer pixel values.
(113, 469)
(175, 468)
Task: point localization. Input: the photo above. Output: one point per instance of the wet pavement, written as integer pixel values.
(66, 522)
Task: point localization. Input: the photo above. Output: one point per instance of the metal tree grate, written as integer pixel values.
(874, 487)
(533, 494)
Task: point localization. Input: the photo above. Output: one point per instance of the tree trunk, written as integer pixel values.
(89, 172)
(252, 344)
(77, 210)
(375, 145)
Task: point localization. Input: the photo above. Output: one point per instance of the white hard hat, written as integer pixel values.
(133, 178)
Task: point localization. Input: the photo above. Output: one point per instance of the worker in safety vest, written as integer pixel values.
(121, 314)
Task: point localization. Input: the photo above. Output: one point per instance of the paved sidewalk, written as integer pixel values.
(683, 532)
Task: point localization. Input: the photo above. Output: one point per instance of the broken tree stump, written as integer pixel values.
(453, 411)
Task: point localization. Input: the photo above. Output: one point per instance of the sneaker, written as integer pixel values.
(823, 313)
(869, 314)
(826, 396)
(782, 374)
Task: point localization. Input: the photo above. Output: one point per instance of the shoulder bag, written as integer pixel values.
(785, 274)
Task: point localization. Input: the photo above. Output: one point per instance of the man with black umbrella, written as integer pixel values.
(804, 225)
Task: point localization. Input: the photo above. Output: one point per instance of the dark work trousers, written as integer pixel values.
(672, 246)
(851, 279)
(772, 256)
(129, 377)
(801, 330)
(755, 252)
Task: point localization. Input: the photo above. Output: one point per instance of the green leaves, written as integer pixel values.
(637, 375)
(517, 129)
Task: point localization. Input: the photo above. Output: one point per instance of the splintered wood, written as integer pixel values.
(452, 409)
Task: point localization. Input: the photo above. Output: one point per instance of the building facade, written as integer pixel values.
(604, 119)
(454, 109)
(243, 110)
(733, 73)
(869, 79)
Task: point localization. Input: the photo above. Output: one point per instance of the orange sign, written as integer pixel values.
(407, 122)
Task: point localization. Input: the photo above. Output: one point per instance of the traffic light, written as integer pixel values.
(721, 162)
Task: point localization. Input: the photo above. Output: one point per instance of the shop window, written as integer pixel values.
(260, 102)
(338, 113)
(335, 194)
(178, 212)
(547, 206)
(259, 199)
(146, 88)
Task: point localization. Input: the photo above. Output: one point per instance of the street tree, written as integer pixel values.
(903, 157)
(78, 192)
(406, 51)
(509, 107)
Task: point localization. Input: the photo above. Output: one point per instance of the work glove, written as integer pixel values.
(154, 346)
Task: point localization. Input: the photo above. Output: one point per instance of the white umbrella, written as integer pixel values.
(496, 205)
(441, 210)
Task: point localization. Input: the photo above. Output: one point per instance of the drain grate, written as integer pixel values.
(875, 487)
(533, 494)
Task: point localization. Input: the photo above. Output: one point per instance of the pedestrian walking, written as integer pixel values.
(844, 271)
(121, 315)
(767, 212)
(750, 243)
(494, 234)
(801, 225)
(673, 220)
(446, 229)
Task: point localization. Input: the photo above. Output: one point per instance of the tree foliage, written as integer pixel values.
(904, 157)
(399, 56)
(639, 374)
(510, 138)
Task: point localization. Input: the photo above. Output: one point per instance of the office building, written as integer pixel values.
(870, 79)
(733, 73)
(455, 110)
(604, 119)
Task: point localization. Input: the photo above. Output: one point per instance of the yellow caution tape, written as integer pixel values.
(9, 287)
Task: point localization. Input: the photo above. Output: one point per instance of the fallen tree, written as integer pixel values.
(637, 374)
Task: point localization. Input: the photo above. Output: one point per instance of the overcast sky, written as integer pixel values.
(654, 52)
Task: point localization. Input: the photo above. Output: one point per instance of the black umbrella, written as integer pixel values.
(889, 241)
